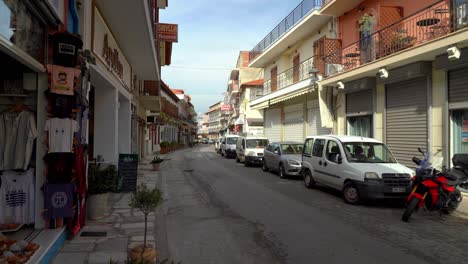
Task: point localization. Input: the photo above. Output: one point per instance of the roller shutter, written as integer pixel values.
(314, 122)
(294, 123)
(406, 119)
(360, 102)
(458, 86)
(273, 124)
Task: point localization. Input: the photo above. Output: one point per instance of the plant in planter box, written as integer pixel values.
(102, 181)
(156, 162)
(164, 147)
(173, 145)
(146, 200)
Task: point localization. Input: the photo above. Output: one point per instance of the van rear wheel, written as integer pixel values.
(308, 179)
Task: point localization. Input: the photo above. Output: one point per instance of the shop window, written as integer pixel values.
(22, 28)
(360, 126)
(460, 131)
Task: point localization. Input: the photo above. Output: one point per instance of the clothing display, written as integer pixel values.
(62, 79)
(17, 197)
(59, 167)
(58, 200)
(17, 134)
(61, 134)
(61, 106)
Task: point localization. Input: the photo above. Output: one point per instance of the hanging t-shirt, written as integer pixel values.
(62, 79)
(17, 134)
(58, 200)
(17, 197)
(59, 167)
(61, 106)
(61, 134)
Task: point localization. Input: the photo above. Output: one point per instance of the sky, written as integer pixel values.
(211, 35)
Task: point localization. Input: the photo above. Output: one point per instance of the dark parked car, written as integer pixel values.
(283, 157)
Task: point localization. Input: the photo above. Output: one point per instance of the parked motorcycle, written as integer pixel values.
(434, 189)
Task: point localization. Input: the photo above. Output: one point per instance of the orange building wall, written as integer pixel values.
(348, 23)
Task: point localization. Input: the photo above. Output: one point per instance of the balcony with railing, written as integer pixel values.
(289, 77)
(430, 23)
(299, 13)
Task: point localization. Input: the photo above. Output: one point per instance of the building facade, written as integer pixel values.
(215, 121)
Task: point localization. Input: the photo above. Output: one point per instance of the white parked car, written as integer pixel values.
(362, 168)
(228, 145)
(249, 150)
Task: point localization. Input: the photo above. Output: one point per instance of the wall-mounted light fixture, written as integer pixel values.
(383, 73)
(454, 53)
(340, 85)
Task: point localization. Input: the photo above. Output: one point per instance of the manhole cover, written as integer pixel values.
(93, 234)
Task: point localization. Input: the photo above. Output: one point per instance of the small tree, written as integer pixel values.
(146, 200)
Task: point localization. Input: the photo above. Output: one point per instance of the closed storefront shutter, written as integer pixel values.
(458, 86)
(360, 102)
(273, 124)
(406, 119)
(294, 123)
(314, 122)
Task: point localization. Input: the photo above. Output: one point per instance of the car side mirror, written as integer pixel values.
(338, 159)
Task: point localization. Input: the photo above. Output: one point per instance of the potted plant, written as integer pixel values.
(164, 147)
(146, 201)
(173, 145)
(156, 162)
(102, 181)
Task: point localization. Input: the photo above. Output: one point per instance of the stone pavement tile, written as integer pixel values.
(117, 244)
(139, 225)
(84, 247)
(84, 240)
(70, 258)
(141, 238)
(105, 257)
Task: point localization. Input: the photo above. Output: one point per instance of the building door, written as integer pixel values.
(458, 99)
(406, 119)
(314, 121)
(273, 124)
(359, 109)
(294, 123)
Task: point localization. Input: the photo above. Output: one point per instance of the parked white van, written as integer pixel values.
(362, 168)
(250, 149)
(228, 145)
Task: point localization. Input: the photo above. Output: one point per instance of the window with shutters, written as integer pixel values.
(274, 79)
(296, 62)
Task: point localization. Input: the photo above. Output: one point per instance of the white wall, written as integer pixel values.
(106, 124)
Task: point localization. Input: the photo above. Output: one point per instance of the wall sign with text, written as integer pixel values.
(167, 32)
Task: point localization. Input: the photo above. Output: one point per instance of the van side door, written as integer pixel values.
(307, 154)
(317, 161)
(334, 164)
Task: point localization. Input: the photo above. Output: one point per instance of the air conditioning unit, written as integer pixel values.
(462, 15)
(332, 69)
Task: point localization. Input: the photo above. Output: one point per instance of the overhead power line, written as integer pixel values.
(201, 68)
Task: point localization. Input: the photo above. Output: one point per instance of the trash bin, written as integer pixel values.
(65, 47)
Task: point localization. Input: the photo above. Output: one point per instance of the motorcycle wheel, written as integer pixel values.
(412, 206)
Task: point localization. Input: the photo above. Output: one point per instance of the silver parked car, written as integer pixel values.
(283, 157)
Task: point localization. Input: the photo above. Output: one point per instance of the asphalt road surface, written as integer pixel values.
(219, 211)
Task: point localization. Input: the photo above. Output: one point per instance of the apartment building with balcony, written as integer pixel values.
(249, 121)
(187, 116)
(239, 76)
(288, 56)
(399, 74)
(214, 120)
(203, 122)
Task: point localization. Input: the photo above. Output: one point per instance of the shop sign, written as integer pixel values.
(465, 131)
(167, 32)
(226, 107)
(105, 47)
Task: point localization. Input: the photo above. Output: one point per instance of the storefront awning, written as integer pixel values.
(260, 106)
(290, 95)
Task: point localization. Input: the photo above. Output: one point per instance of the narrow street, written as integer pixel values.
(218, 211)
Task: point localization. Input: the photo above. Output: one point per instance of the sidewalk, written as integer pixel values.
(121, 229)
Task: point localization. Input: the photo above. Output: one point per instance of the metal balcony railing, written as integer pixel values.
(289, 77)
(432, 22)
(303, 9)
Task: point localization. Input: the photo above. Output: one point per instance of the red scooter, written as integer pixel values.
(437, 190)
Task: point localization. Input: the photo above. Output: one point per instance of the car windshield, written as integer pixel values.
(291, 148)
(368, 152)
(256, 143)
(231, 140)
